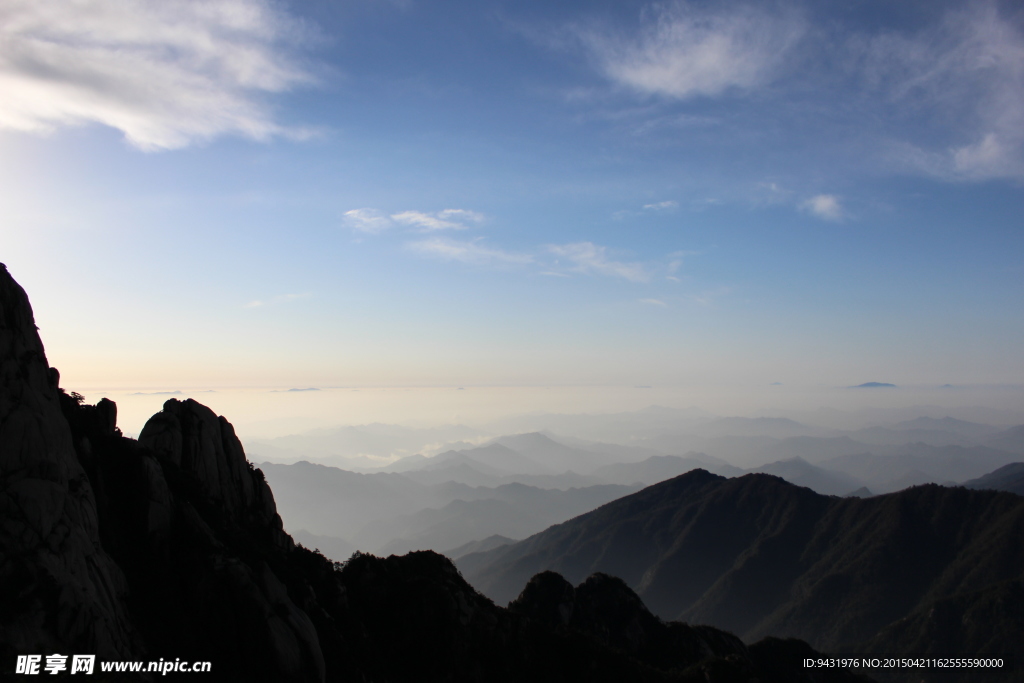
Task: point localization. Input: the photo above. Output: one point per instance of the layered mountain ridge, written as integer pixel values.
(756, 555)
(171, 547)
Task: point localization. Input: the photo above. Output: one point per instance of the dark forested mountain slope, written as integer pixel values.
(757, 556)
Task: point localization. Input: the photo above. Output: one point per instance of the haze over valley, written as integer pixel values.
(371, 488)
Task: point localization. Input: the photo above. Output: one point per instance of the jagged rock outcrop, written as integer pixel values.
(204, 447)
(196, 530)
(60, 589)
(607, 610)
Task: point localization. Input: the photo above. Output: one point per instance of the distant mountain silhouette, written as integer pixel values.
(500, 458)
(1012, 440)
(513, 510)
(777, 427)
(348, 447)
(483, 545)
(918, 463)
(890, 436)
(758, 556)
(874, 385)
(753, 450)
(813, 449)
(615, 427)
(1006, 478)
(555, 456)
(328, 501)
(661, 467)
(171, 547)
(800, 472)
(946, 424)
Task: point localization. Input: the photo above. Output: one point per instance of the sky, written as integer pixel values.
(236, 194)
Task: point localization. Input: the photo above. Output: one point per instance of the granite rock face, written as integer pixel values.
(60, 588)
(171, 547)
(196, 531)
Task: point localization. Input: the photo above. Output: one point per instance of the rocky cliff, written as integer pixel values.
(61, 589)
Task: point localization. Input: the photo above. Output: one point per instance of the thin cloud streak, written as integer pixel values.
(684, 52)
(369, 221)
(583, 257)
(282, 298)
(669, 205)
(587, 257)
(167, 74)
(472, 253)
(442, 220)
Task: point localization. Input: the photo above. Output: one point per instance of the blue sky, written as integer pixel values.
(242, 193)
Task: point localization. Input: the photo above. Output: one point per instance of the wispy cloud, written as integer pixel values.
(587, 257)
(966, 74)
(369, 221)
(461, 214)
(372, 221)
(676, 261)
(825, 206)
(166, 74)
(709, 297)
(684, 52)
(653, 208)
(449, 219)
(282, 298)
(467, 252)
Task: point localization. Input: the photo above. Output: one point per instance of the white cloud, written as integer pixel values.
(366, 220)
(442, 220)
(684, 52)
(467, 252)
(461, 214)
(662, 206)
(967, 74)
(165, 73)
(994, 156)
(825, 206)
(588, 257)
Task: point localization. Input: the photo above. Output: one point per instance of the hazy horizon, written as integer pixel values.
(266, 413)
